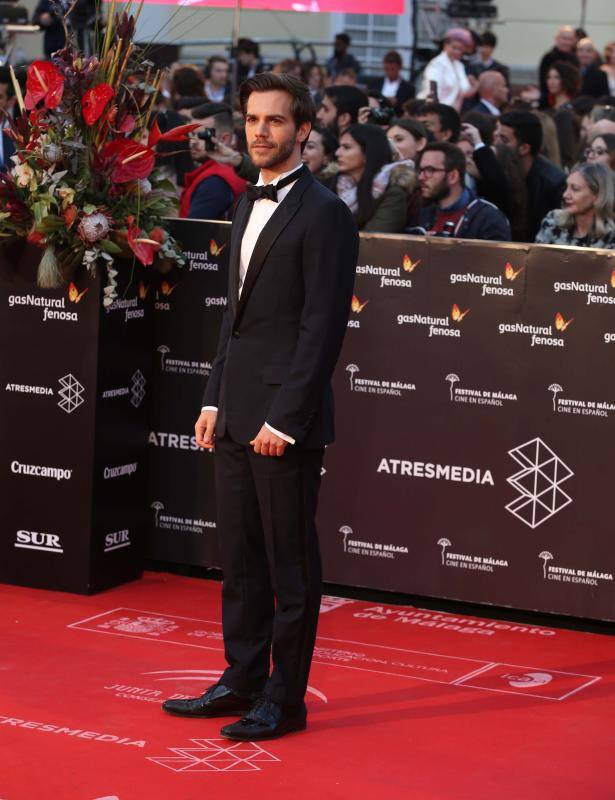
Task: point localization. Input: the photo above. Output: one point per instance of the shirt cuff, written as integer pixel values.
(286, 438)
(209, 408)
(479, 145)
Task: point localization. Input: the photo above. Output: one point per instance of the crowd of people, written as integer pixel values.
(464, 153)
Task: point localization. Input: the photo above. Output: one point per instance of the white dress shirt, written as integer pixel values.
(261, 213)
(390, 88)
(492, 109)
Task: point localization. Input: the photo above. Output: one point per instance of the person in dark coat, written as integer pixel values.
(268, 413)
(450, 208)
(521, 131)
(594, 82)
(563, 50)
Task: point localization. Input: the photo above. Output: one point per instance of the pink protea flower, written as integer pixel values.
(93, 227)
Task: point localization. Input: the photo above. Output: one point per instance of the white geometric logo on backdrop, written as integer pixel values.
(71, 393)
(538, 483)
(137, 388)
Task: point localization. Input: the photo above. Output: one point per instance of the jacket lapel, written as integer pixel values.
(240, 220)
(280, 219)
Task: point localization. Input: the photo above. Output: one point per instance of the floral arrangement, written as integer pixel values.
(84, 186)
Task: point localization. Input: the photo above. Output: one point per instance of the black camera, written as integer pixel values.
(207, 136)
(381, 116)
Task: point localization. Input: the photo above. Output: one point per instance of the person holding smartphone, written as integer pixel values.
(211, 190)
(446, 75)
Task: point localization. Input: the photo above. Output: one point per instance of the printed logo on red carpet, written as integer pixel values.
(215, 755)
(188, 683)
(396, 662)
(514, 679)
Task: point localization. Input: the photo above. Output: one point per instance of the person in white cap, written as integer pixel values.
(448, 71)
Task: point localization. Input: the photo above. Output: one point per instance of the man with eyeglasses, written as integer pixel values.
(450, 209)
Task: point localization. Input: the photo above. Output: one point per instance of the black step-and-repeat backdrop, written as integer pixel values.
(188, 310)
(475, 416)
(74, 390)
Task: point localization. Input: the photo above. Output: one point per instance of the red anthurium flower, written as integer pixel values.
(178, 134)
(142, 247)
(128, 160)
(44, 82)
(94, 101)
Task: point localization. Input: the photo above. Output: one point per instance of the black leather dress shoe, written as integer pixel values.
(265, 720)
(218, 701)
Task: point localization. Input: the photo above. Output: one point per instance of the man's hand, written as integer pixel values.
(472, 132)
(363, 115)
(268, 444)
(224, 154)
(204, 429)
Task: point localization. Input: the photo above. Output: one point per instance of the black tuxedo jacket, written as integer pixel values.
(280, 342)
(404, 92)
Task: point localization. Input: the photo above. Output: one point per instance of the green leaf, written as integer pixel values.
(110, 247)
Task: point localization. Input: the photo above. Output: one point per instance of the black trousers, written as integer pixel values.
(271, 567)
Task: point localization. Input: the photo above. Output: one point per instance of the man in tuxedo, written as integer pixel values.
(268, 410)
(392, 85)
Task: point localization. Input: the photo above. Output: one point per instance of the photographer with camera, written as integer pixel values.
(210, 190)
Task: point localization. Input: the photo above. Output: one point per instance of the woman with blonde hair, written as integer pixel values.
(588, 216)
(550, 144)
(609, 66)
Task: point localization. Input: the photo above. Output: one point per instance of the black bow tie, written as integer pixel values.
(270, 191)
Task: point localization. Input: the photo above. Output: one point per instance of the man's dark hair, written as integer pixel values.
(347, 100)
(392, 57)
(583, 104)
(302, 106)
(485, 124)
(222, 114)
(213, 60)
(246, 45)
(343, 37)
(448, 116)
(188, 82)
(414, 107)
(527, 128)
(329, 140)
(489, 39)
(453, 157)
(415, 128)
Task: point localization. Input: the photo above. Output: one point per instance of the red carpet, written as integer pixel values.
(403, 704)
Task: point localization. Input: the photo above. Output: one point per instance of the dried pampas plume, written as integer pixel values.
(49, 276)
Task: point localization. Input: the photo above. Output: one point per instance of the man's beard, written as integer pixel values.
(277, 155)
(439, 192)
